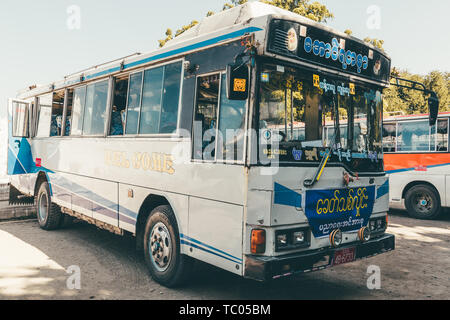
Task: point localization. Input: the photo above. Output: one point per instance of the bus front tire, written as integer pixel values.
(48, 214)
(162, 249)
(422, 202)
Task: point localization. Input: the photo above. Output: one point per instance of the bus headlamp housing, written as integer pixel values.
(378, 225)
(364, 234)
(291, 239)
(336, 238)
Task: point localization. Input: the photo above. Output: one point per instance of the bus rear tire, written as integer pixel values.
(48, 214)
(162, 249)
(422, 202)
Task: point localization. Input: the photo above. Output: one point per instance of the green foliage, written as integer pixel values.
(348, 32)
(375, 42)
(314, 11)
(408, 101)
(396, 100)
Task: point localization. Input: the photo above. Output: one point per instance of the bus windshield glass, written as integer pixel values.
(303, 113)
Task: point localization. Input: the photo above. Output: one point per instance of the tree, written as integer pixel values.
(408, 101)
(439, 83)
(314, 11)
(375, 42)
(348, 32)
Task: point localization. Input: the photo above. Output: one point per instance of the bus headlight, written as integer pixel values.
(282, 240)
(336, 238)
(291, 239)
(298, 237)
(378, 225)
(364, 234)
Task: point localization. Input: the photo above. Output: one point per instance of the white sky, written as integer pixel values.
(36, 45)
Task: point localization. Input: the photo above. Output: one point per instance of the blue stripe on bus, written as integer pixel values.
(383, 189)
(208, 246)
(168, 54)
(92, 196)
(208, 251)
(286, 196)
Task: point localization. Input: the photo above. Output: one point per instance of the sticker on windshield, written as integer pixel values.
(265, 77)
(316, 80)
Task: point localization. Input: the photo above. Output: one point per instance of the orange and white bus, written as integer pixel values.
(417, 159)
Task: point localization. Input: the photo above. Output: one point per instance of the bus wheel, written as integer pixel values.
(48, 214)
(162, 249)
(422, 202)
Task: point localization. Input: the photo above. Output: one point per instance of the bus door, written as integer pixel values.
(19, 150)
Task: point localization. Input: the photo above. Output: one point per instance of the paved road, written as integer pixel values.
(33, 265)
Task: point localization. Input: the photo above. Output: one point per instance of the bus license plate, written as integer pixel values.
(344, 256)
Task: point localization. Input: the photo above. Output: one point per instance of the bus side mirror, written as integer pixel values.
(237, 82)
(433, 106)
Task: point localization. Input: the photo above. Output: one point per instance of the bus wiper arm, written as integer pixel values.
(309, 183)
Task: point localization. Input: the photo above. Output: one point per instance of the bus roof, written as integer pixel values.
(221, 27)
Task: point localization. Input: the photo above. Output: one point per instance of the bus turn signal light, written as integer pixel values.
(258, 241)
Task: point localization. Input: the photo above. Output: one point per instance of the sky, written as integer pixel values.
(41, 41)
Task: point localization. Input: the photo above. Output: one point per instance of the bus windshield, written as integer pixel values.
(304, 112)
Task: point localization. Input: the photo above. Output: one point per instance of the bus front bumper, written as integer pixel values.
(263, 268)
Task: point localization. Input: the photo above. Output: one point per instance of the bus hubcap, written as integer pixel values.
(424, 203)
(43, 207)
(160, 246)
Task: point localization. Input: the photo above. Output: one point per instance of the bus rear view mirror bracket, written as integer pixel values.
(237, 81)
(433, 100)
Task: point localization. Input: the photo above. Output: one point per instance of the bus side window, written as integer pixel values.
(171, 98)
(21, 116)
(389, 137)
(151, 101)
(160, 99)
(413, 136)
(79, 99)
(205, 117)
(68, 119)
(57, 113)
(231, 126)
(441, 135)
(44, 115)
(119, 107)
(94, 120)
(134, 103)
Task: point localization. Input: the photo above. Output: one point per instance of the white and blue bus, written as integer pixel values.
(213, 147)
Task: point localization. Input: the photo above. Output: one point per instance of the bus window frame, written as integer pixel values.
(448, 135)
(220, 73)
(71, 117)
(397, 122)
(61, 135)
(197, 76)
(176, 134)
(247, 103)
(38, 116)
(106, 110)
